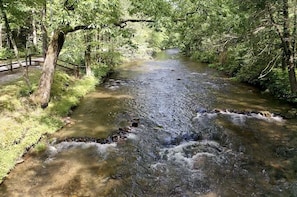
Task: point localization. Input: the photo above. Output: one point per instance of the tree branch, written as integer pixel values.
(123, 23)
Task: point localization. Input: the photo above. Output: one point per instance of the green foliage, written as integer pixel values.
(40, 147)
(240, 38)
(157, 39)
(156, 8)
(65, 96)
(22, 124)
(110, 58)
(73, 50)
(278, 83)
(204, 56)
(101, 70)
(50, 121)
(5, 54)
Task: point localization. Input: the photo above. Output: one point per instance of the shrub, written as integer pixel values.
(278, 83)
(5, 54)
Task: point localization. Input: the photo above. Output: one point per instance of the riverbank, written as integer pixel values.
(23, 124)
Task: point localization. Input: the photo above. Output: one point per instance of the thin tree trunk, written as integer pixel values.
(289, 55)
(292, 78)
(1, 38)
(42, 96)
(88, 55)
(44, 31)
(34, 33)
(13, 43)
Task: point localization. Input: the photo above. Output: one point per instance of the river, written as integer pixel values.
(197, 133)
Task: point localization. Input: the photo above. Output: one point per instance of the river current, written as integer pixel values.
(198, 133)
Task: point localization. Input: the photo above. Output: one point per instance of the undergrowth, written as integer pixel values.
(23, 124)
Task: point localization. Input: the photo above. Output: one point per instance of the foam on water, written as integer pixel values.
(57, 148)
(270, 118)
(132, 136)
(240, 118)
(196, 151)
(201, 116)
(157, 165)
(237, 119)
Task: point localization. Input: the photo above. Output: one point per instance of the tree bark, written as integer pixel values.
(34, 33)
(292, 79)
(44, 31)
(88, 55)
(42, 95)
(1, 37)
(288, 48)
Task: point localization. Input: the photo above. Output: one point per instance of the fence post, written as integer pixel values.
(30, 59)
(11, 68)
(76, 71)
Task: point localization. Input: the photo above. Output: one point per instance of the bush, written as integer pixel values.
(67, 91)
(111, 58)
(101, 70)
(204, 56)
(250, 73)
(278, 83)
(5, 54)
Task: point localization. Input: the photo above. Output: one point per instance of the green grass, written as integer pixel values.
(23, 124)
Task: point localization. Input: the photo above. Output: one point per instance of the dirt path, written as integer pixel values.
(8, 76)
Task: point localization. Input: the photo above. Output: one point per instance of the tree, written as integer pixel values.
(4, 6)
(248, 38)
(288, 38)
(72, 16)
(277, 19)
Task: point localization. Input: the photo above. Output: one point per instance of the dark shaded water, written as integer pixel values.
(174, 151)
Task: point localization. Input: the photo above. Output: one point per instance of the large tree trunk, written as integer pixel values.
(42, 95)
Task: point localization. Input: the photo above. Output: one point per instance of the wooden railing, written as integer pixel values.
(70, 66)
(10, 65)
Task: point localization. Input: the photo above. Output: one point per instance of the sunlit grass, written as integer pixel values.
(23, 124)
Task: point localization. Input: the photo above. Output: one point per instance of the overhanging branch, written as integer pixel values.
(123, 23)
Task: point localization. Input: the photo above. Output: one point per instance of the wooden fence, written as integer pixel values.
(10, 65)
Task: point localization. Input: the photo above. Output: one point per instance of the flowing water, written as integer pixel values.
(199, 134)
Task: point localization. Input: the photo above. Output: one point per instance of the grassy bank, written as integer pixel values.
(23, 124)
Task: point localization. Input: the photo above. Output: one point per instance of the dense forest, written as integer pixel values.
(253, 41)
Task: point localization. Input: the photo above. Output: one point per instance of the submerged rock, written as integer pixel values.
(114, 137)
(265, 115)
(186, 137)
